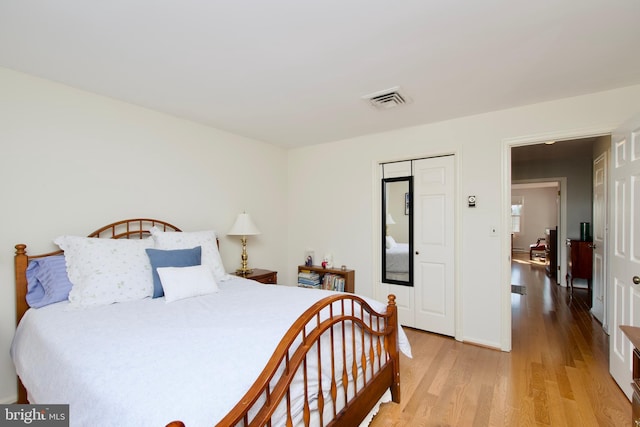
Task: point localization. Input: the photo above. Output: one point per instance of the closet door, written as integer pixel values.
(434, 216)
(405, 295)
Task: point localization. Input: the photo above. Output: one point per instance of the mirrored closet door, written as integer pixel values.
(417, 244)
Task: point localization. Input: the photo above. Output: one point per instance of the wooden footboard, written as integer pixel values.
(353, 354)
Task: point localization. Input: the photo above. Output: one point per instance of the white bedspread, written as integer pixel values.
(397, 258)
(128, 364)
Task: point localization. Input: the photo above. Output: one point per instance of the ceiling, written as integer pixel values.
(293, 72)
(558, 151)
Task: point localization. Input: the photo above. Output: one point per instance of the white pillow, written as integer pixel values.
(105, 271)
(391, 243)
(190, 239)
(186, 282)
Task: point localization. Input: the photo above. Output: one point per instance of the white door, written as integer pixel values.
(405, 295)
(624, 297)
(599, 237)
(433, 210)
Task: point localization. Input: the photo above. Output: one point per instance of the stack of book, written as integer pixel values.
(308, 279)
(333, 282)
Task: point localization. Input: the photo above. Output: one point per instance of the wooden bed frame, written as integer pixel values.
(331, 316)
(126, 229)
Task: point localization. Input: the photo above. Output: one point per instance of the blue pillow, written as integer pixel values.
(171, 258)
(47, 281)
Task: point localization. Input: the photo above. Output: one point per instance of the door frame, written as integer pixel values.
(605, 249)
(505, 273)
(562, 222)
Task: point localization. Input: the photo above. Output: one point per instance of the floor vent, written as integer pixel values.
(388, 98)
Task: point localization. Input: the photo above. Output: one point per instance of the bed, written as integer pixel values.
(396, 260)
(244, 354)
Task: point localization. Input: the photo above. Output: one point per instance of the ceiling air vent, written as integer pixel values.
(388, 98)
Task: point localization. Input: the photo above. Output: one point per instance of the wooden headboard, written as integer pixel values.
(126, 229)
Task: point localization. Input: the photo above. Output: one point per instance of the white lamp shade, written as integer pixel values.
(390, 219)
(243, 226)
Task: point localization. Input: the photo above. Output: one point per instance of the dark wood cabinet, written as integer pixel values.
(580, 256)
(551, 252)
(633, 333)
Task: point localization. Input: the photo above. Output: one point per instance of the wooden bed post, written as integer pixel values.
(392, 345)
(21, 261)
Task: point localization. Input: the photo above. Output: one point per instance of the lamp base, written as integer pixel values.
(244, 271)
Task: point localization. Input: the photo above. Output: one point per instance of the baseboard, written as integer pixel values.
(9, 400)
(482, 343)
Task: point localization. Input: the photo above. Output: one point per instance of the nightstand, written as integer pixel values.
(263, 276)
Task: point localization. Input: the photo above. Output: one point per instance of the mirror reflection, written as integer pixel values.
(397, 241)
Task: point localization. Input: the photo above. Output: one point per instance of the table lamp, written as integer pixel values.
(244, 227)
(389, 221)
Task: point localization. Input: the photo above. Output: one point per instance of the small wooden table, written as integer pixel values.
(268, 277)
(348, 275)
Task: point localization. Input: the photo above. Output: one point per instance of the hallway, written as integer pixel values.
(566, 350)
(556, 375)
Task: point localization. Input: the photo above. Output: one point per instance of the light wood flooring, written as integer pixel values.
(556, 374)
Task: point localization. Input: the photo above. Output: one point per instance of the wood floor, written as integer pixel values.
(556, 374)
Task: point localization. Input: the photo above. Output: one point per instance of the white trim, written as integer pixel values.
(458, 205)
(505, 271)
(606, 157)
(558, 136)
(380, 290)
(505, 250)
(562, 224)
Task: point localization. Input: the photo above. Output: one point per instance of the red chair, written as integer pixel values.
(539, 246)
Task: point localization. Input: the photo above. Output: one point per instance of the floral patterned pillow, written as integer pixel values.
(106, 271)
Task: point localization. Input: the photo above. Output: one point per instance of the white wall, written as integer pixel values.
(71, 161)
(348, 228)
(578, 172)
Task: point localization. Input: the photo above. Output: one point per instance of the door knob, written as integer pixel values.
(417, 253)
(636, 280)
(592, 245)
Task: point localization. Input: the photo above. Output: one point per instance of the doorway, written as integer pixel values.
(570, 163)
(540, 216)
(568, 156)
